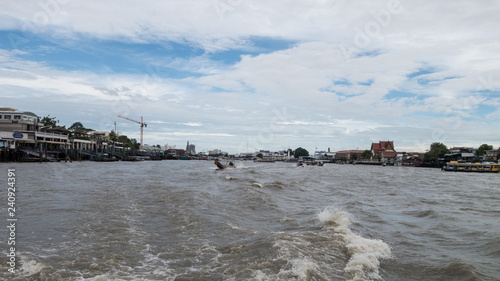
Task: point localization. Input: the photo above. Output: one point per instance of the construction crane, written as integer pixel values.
(140, 122)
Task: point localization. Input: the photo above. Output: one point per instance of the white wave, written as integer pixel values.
(303, 267)
(257, 184)
(31, 267)
(300, 265)
(258, 275)
(364, 254)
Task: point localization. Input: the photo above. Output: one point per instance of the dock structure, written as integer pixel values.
(23, 138)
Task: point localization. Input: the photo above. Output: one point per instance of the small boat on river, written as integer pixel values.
(221, 166)
(454, 166)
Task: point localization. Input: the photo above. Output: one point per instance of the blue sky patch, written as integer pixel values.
(484, 109)
(422, 71)
(262, 45)
(371, 54)
(424, 82)
(256, 46)
(397, 94)
(344, 82)
(367, 83)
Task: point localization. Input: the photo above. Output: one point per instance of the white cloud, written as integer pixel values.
(335, 80)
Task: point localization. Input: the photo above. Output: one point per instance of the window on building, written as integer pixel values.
(17, 117)
(7, 117)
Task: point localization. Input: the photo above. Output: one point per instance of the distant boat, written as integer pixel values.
(310, 162)
(136, 158)
(221, 166)
(454, 166)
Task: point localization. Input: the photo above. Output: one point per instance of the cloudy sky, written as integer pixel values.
(243, 75)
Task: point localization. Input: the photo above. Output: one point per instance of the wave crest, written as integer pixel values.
(364, 254)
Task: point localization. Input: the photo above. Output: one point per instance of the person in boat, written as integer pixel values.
(231, 164)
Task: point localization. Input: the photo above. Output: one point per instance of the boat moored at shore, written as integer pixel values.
(455, 166)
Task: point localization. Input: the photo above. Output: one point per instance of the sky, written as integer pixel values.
(242, 76)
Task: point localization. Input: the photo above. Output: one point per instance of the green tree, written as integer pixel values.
(78, 126)
(113, 136)
(134, 144)
(366, 154)
(354, 156)
(300, 152)
(260, 155)
(482, 149)
(49, 121)
(436, 151)
(123, 139)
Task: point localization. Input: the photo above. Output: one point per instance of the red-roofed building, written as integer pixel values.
(384, 148)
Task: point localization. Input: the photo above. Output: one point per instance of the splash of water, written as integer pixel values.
(364, 254)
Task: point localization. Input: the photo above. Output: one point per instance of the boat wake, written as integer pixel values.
(364, 254)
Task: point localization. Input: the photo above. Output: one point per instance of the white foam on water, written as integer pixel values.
(31, 267)
(364, 254)
(257, 184)
(299, 266)
(260, 276)
(236, 227)
(302, 268)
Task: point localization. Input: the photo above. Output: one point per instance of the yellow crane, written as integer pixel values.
(140, 122)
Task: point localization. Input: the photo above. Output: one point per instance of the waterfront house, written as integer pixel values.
(461, 157)
(330, 155)
(492, 154)
(348, 155)
(19, 127)
(23, 136)
(412, 159)
(173, 153)
(247, 155)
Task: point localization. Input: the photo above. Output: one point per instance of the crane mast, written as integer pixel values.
(139, 122)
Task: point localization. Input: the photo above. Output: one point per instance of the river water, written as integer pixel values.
(183, 220)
